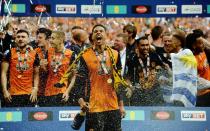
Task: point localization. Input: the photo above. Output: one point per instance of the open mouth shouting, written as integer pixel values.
(98, 38)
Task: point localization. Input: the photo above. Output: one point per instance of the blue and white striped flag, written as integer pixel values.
(184, 68)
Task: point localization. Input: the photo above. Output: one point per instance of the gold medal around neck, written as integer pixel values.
(109, 81)
(146, 85)
(19, 76)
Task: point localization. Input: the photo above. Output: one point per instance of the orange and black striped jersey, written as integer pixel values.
(203, 70)
(42, 73)
(54, 77)
(21, 82)
(101, 94)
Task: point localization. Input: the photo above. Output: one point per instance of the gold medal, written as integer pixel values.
(19, 76)
(109, 81)
(146, 85)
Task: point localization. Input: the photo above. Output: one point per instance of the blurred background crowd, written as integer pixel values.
(114, 25)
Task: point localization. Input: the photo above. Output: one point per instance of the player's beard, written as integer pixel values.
(22, 47)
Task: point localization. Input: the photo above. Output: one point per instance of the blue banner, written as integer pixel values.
(137, 119)
(107, 8)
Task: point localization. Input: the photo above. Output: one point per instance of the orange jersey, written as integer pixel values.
(21, 82)
(102, 94)
(42, 73)
(54, 78)
(203, 70)
(39, 52)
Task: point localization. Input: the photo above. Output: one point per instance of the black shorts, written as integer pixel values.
(20, 101)
(103, 121)
(203, 100)
(50, 101)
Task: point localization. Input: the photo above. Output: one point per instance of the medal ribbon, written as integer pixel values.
(57, 61)
(145, 69)
(102, 61)
(22, 62)
(44, 53)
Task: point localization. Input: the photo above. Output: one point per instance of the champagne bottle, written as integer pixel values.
(78, 120)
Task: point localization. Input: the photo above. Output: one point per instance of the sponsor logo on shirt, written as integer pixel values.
(193, 115)
(40, 116)
(162, 115)
(166, 9)
(141, 9)
(191, 9)
(38, 8)
(67, 115)
(13, 116)
(116, 9)
(135, 115)
(91, 9)
(66, 9)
